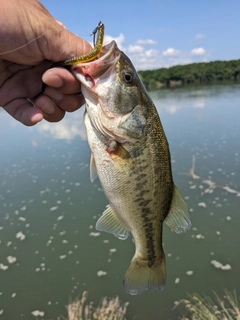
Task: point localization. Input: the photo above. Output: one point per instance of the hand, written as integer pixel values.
(31, 40)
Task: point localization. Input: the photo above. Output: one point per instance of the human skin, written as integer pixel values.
(31, 40)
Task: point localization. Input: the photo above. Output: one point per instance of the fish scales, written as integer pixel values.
(130, 155)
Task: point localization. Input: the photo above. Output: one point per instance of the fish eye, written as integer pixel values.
(127, 77)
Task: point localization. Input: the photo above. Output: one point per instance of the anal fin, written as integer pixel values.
(178, 218)
(110, 223)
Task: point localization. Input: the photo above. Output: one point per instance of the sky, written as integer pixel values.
(156, 34)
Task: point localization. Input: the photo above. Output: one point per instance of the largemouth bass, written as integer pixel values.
(130, 155)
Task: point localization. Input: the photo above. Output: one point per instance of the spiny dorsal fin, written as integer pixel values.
(109, 222)
(93, 169)
(178, 218)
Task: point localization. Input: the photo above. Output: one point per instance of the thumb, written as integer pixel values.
(59, 44)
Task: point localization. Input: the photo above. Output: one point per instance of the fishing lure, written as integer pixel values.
(86, 57)
(92, 54)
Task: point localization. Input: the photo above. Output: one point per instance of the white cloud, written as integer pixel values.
(199, 103)
(172, 109)
(135, 49)
(146, 41)
(69, 128)
(199, 36)
(198, 51)
(151, 53)
(119, 40)
(145, 54)
(170, 52)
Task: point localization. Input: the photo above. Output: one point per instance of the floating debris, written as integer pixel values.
(94, 234)
(101, 273)
(22, 219)
(211, 184)
(64, 256)
(189, 272)
(11, 259)
(54, 208)
(226, 188)
(112, 250)
(200, 236)
(37, 313)
(3, 267)
(219, 265)
(202, 204)
(177, 280)
(77, 184)
(20, 236)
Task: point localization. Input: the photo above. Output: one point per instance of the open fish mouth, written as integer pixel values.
(108, 56)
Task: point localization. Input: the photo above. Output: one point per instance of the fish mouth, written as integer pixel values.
(108, 56)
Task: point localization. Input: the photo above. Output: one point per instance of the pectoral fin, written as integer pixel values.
(178, 218)
(121, 155)
(93, 169)
(109, 222)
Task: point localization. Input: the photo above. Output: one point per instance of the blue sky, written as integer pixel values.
(156, 34)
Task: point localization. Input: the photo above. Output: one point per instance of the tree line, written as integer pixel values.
(204, 72)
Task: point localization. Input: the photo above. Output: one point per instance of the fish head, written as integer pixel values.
(114, 94)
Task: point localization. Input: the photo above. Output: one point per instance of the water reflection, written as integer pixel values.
(49, 248)
(69, 128)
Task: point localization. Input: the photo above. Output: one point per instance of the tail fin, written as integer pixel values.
(140, 276)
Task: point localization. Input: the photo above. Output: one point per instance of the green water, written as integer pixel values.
(49, 248)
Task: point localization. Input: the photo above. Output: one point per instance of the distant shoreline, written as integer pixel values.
(195, 73)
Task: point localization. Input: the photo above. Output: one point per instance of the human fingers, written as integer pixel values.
(24, 83)
(67, 102)
(54, 105)
(61, 79)
(50, 109)
(22, 110)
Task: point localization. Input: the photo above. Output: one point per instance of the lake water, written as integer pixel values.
(49, 248)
